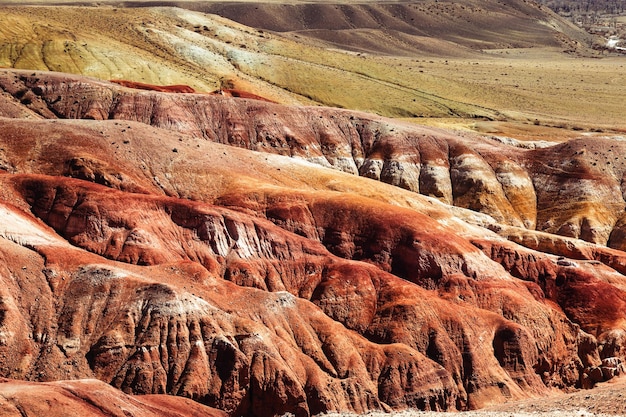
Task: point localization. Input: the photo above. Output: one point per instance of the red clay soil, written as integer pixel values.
(185, 89)
(151, 87)
(140, 252)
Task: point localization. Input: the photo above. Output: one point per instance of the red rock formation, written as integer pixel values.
(180, 329)
(572, 189)
(140, 253)
(151, 87)
(90, 397)
(187, 90)
(229, 92)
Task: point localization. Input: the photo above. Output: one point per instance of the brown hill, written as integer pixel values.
(393, 27)
(248, 276)
(151, 87)
(398, 27)
(442, 64)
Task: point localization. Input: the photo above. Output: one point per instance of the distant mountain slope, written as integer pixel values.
(614, 7)
(392, 27)
(440, 71)
(401, 27)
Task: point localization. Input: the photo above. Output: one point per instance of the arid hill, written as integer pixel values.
(264, 259)
(400, 27)
(417, 61)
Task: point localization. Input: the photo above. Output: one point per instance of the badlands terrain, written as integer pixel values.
(321, 208)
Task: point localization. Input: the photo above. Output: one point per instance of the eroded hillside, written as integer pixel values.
(264, 259)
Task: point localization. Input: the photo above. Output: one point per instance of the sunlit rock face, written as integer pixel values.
(573, 189)
(262, 259)
(90, 397)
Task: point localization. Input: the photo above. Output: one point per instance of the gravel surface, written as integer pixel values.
(606, 400)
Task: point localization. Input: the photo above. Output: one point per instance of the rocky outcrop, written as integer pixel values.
(157, 231)
(140, 253)
(573, 189)
(177, 88)
(177, 328)
(90, 397)
(524, 24)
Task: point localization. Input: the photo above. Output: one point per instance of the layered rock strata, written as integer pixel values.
(200, 246)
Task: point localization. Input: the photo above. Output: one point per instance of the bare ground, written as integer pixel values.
(607, 399)
(487, 80)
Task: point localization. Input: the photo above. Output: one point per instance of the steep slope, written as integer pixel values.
(573, 189)
(140, 251)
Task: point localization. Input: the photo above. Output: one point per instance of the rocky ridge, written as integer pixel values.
(573, 189)
(89, 397)
(200, 246)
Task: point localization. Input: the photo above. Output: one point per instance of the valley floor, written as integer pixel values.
(582, 412)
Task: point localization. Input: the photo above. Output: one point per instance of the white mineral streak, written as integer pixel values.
(25, 232)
